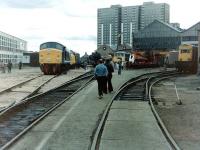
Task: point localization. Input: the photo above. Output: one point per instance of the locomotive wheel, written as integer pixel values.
(50, 70)
(46, 70)
(59, 69)
(54, 69)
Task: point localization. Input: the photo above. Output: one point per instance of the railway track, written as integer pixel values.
(17, 120)
(19, 84)
(20, 88)
(159, 120)
(136, 89)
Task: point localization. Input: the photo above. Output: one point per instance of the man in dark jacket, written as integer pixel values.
(109, 76)
(20, 65)
(101, 73)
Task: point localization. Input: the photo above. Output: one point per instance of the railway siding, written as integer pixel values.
(13, 91)
(17, 76)
(182, 121)
(131, 124)
(71, 126)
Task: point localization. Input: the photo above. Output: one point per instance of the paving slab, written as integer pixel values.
(131, 114)
(129, 105)
(32, 138)
(139, 144)
(68, 144)
(134, 130)
(73, 124)
(132, 125)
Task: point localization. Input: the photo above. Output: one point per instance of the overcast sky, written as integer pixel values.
(74, 22)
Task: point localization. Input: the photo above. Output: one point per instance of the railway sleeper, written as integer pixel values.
(8, 134)
(135, 94)
(66, 90)
(139, 96)
(47, 105)
(135, 90)
(131, 99)
(57, 95)
(50, 99)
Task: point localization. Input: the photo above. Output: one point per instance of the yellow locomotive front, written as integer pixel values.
(72, 59)
(187, 59)
(53, 58)
(185, 52)
(50, 56)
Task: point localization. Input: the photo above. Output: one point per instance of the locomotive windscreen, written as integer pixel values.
(52, 45)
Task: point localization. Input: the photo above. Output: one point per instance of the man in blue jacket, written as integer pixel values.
(101, 73)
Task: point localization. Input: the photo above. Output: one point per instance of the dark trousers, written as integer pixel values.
(110, 87)
(101, 82)
(105, 81)
(119, 71)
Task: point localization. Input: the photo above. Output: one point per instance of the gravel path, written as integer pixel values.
(182, 121)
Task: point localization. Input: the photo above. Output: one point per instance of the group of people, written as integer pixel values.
(103, 75)
(9, 66)
(3, 67)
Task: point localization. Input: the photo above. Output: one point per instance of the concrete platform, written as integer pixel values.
(72, 125)
(131, 125)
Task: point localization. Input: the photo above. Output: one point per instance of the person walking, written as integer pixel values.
(3, 68)
(119, 68)
(20, 65)
(101, 73)
(109, 76)
(9, 66)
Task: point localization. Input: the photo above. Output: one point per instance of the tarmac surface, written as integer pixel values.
(182, 121)
(72, 125)
(132, 125)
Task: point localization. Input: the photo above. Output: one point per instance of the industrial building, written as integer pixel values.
(190, 36)
(159, 35)
(11, 48)
(117, 24)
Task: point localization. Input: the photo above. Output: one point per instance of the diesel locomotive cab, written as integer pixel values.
(53, 58)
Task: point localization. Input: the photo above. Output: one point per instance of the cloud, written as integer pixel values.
(82, 38)
(27, 3)
(72, 22)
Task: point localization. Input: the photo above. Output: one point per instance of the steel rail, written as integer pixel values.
(98, 132)
(19, 84)
(159, 120)
(29, 95)
(41, 117)
(103, 118)
(49, 91)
